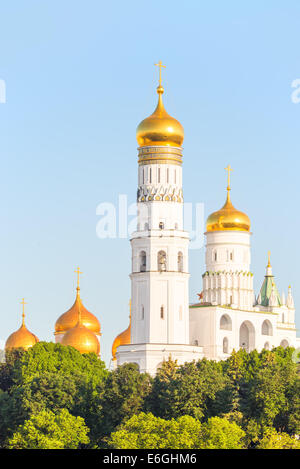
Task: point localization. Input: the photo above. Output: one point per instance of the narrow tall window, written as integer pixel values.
(180, 313)
(216, 256)
(175, 176)
(158, 176)
(167, 175)
(161, 261)
(162, 314)
(142, 261)
(143, 175)
(180, 262)
(143, 312)
(225, 345)
(150, 175)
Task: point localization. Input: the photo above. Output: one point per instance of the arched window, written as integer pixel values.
(143, 313)
(226, 323)
(266, 328)
(180, 262)
(225, 345)
(180, 313)
(146, 227)
(161, 225)
(143, 261)
(267, 346)
(162, 313)
(162, 261)
(284, 343)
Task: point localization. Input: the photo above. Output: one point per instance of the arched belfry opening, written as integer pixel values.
(247, 336)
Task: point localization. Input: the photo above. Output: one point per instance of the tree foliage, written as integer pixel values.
(47, 430)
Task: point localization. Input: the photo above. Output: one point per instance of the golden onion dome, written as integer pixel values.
(123, 338)
(160, 128)
(69, 319)
(228, 218)
(22, 338)
(81, 338)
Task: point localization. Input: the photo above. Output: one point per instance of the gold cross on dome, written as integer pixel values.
(23, 303)
(269, 258)
(160, 65)
(77, 271)
(228, 169)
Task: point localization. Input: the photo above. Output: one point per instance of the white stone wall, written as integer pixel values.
(207, 331)
(228, 280)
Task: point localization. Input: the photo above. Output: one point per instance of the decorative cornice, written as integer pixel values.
(160, 155)
(159, 193)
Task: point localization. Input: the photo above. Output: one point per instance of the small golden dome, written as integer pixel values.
(81, 338)
(69, 319)
(22, 337)
(160, 128)
(123, 338)
(228, 218)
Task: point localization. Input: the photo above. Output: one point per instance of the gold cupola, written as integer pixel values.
(228, 218)
(160, 129)
(22, 338)
(69, 319)
(123, 338)
(81, 338)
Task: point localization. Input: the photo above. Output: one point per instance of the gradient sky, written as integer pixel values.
(79, 78)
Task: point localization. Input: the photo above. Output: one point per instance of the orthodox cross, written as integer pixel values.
(23, 303)
(160, 65)
(78, 273)
(228, 169)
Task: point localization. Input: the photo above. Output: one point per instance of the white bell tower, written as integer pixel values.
(228, 279)
(160, 276)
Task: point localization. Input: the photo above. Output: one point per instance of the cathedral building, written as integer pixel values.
(162, 323)
(228, 316)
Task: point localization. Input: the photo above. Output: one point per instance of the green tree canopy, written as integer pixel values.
(47, 430)
(220, 433)
(144, 431)
(124, 394)
(190, 389)
(277, 440)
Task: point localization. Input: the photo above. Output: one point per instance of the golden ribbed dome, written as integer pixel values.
(123, 338)
(22, 337)
(69, 319)
(160, 128)
(228, 218)
(81, 338)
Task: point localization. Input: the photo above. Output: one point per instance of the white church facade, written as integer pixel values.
(229, 315)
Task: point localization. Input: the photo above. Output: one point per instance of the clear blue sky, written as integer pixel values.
(79, 78)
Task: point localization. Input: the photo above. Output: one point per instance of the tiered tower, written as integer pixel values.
(228, 280)
(159, 278)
